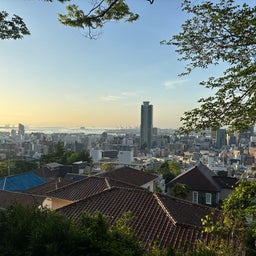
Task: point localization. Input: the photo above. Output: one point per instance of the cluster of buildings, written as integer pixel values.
(144, 148)
(212, 164)
(157, 217)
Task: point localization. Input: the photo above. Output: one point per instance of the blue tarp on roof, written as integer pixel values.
(21, 182)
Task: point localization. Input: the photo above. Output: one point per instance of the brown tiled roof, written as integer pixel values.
(226, 182)
(47, 173)
(185, 212)
(86, 187)
(130, 175)
(8, 198)
(198, 178)
(52, 185)
(156, 217)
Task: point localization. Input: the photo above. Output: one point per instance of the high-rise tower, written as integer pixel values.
(146, 126)
(21, 131)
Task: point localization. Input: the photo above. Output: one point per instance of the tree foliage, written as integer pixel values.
(237, 221)
(220, 32)
(98, 14)
(29, 230)
(169, 170)
(62, 156)
(33, 231)
(180, 190)
(12, 28)
(16, 166)
(107, 167)
(92, 16)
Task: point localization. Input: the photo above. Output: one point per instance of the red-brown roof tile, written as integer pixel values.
(49, 186)
(8, 198)
(86, 187)
(154, 220)
(185, 212)
(48, 173)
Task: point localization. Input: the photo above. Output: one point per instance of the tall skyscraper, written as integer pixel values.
(221, 138)
(146, 126)
(21, 131)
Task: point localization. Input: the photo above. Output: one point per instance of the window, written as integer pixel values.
(195, 197)
(208, 198)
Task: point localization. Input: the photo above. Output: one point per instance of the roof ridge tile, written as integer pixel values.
(107, 182)
(159, 201)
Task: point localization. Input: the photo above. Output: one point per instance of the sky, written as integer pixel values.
(58, 77)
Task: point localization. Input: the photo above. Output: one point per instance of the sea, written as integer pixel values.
(71, 130)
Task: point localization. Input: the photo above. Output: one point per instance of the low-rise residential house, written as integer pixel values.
(49, 186)
(21, 182)
(55, 203)
(82, 189)
(226, 184)
(204, 187)
(53, 170)
(8, 198)
(53, 166)
(157, 218)
(132, 176)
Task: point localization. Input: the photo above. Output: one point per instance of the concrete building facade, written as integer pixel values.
(146, 126)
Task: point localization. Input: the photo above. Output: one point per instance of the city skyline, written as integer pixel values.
(57, 77)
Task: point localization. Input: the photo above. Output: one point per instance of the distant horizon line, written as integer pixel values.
(11, 126)
(29, 127)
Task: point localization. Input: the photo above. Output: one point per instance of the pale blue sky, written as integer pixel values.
(58, 77)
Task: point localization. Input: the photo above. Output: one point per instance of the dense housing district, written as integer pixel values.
(123, 174)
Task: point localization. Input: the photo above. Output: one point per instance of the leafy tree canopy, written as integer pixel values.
(29, 230)
(33, 231)
(62, 156)
(92, 16)
(220, 32)
(107, 167)
(16, 166)
(180, 190)
(237, 220)
(169, 170)
(12, 28)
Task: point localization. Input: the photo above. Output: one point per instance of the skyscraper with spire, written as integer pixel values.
(146, 126)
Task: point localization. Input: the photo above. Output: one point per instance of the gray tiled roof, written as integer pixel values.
(198, 178)
(226, 182)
